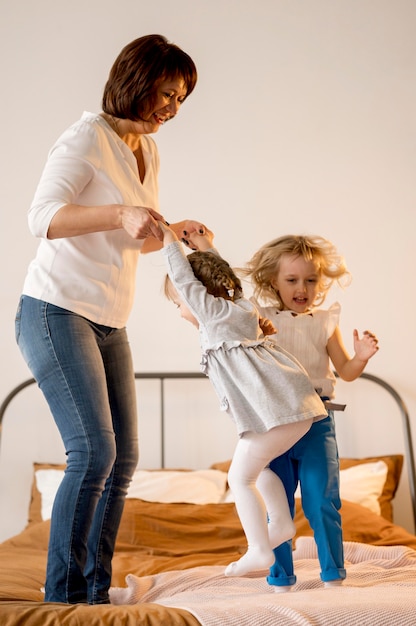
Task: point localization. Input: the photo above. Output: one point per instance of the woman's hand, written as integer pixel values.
(141, 222)
(194, 234)
(201, 239)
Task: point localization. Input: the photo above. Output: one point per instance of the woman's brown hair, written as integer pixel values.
(138, 70)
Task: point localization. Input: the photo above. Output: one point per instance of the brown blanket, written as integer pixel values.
(153, 538)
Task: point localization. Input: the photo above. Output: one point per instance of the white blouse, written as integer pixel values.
(92, 275)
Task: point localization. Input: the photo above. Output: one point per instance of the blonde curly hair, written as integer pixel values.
(264, 266)
(214, 273)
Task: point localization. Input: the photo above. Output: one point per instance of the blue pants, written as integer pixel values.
(314, 463)
(86, 375)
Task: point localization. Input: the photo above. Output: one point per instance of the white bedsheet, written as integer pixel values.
(380, 590)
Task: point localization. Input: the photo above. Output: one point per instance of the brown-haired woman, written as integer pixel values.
(95, 210)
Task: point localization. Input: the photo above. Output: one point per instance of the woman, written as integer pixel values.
(95, 210)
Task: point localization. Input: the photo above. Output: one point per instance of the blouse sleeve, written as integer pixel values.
(70, 166)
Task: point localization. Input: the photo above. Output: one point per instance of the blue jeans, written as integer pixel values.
(86, 374)
(313, 462)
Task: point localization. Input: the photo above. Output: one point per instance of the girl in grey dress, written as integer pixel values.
(264, 389)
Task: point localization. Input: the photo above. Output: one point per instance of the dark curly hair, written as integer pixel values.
(215, 274)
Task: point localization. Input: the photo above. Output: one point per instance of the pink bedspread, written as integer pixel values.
(380, 590)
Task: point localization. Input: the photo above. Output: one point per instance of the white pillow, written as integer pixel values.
(362, 484)
(47, 483)
(168, 486)
(193, 487)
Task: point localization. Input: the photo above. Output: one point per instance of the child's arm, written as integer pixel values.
(350, 368)
(169, 235)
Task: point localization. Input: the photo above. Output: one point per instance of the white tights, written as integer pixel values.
(259, 494)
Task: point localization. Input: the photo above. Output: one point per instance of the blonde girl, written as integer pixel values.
(291, 276)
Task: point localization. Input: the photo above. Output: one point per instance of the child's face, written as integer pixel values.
(297, 283)
(186, 314)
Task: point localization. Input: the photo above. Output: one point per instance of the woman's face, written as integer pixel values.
(170, 94)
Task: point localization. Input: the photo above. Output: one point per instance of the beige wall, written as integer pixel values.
(303, 120)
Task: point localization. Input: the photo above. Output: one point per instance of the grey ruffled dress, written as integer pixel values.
(259, 384)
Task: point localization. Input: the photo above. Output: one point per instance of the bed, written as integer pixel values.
(180, 528)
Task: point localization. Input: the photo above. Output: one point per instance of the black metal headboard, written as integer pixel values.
(162, 376)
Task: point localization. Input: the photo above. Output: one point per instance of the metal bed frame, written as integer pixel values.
(162, 376)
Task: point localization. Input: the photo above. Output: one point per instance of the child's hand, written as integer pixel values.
(366, 347)
(267, 326)
(168, 234)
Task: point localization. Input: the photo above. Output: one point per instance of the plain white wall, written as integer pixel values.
(303, 120)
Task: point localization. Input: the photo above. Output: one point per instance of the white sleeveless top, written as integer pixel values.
(92, 275)
(306, 336)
